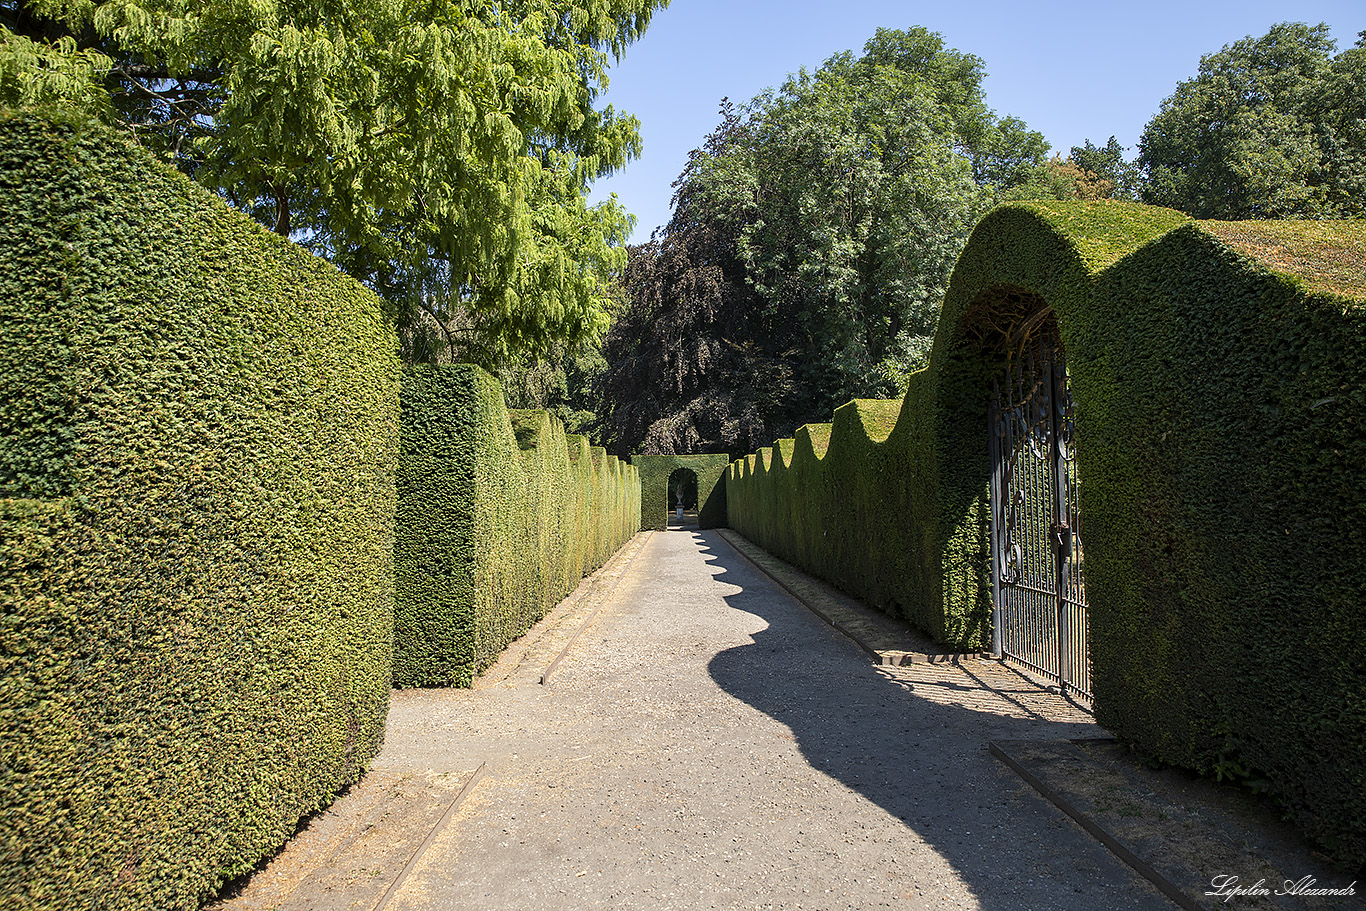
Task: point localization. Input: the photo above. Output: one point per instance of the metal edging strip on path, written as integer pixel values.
(1163, 885)
(554, 665)
(431, 836)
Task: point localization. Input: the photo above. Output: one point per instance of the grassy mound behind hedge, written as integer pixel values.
(499, 516)
(1219, 378)
(198, 426)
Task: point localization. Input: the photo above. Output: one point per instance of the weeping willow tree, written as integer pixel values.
(439, 151)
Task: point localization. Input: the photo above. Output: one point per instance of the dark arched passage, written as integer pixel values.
(682, 500)
(1038, 614)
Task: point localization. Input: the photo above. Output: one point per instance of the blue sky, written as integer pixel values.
(1071, 70)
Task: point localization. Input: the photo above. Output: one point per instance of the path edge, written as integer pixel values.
(431, 836)
(889, 657)
(1163, 885)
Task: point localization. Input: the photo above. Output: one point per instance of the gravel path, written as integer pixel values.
(709, 743)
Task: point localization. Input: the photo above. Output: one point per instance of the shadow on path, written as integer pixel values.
(913, 740)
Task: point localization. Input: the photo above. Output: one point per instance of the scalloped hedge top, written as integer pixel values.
(1101, 232)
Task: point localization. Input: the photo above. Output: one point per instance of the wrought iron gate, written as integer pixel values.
(1039, 605)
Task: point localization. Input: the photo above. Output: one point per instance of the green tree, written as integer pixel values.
(1270, 127)
(1106, 169)
(563, 383)
(439, 151)
(811, 240)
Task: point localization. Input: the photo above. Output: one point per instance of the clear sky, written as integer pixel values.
(1071, 70)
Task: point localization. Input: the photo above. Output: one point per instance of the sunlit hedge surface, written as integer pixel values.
(1219, 378)
(198, 428)
(499, 516)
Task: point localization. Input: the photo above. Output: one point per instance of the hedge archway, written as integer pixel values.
(1218, 384)
(654, 488)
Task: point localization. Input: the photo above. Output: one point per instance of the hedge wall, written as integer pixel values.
(1219, 378)
(198, 424)
(1228, 577)
(655, 471)
(499, 516)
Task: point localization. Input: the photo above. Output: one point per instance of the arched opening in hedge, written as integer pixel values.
(1038, 603)
(682, 498)
(658, 494)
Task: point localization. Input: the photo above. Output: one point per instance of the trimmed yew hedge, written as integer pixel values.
(655, 471)
(1228, 577)
(198, 426)
(1219, 378)
(499, 516)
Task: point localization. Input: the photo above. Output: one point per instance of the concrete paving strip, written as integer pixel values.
(605, 589)
(1182, 832)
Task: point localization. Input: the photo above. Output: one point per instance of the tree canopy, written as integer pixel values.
(436, 150)
(1270, 127)
(1105, 166)
(810, 242)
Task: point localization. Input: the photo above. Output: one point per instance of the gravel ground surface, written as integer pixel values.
(706, 743)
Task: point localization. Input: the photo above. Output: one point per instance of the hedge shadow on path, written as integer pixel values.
(913, 741)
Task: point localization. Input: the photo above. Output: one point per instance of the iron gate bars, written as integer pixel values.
(1038, 603)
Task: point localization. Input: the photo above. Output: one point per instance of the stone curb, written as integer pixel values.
(999, 749)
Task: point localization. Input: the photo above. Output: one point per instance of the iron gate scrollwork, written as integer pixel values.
(1039, 604)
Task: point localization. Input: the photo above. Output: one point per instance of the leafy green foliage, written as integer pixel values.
(438, 152)
(499, 516)
(198, 428)
(810, 243)
(564, 384)
(852, 502)
(1059, 179)
(684, 373)
(1271, 127)
(1088, 173)
(1105, 166)
(1218, 388)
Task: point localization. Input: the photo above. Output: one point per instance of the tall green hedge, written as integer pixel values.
(1219, 378)
(499, 516)
(198, 424)
(655, 471)
(1228, 574)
